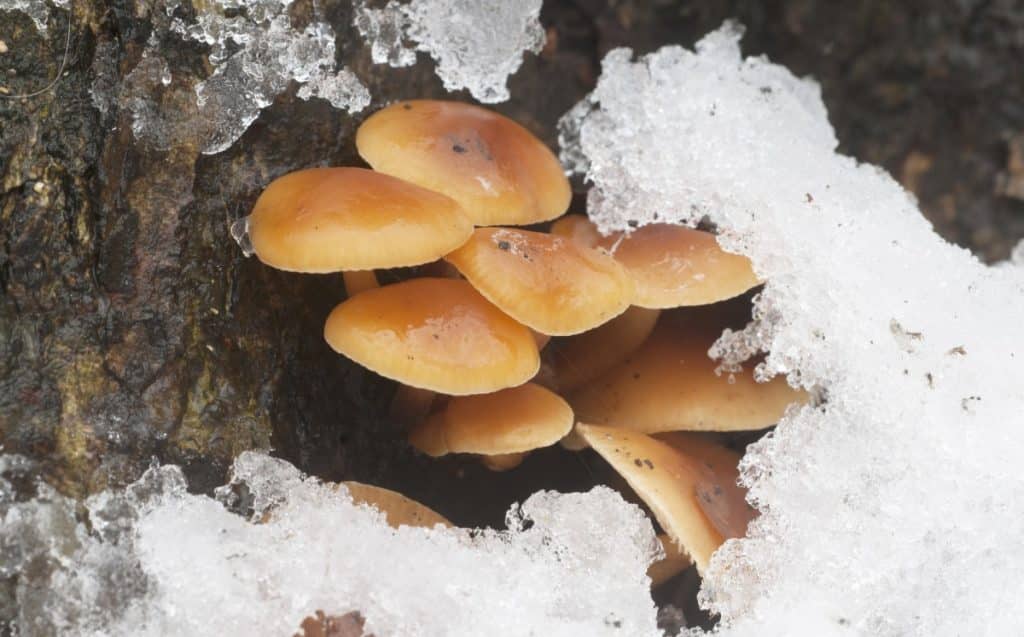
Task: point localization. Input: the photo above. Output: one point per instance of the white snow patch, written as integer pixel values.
(477, 44)
(160, 561)
(897, 507)
(255, 53)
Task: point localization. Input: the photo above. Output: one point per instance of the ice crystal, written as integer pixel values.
(476, 44)
(275, 547)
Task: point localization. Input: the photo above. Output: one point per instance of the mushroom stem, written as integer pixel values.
(357, 281)
(503, 461)
(541, 339)
(411, 404)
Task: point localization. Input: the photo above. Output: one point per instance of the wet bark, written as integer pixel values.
(132, 328)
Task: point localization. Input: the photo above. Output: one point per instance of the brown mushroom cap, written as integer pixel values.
(437, 334)
(509, 421)
(398, 510)
(495, 168)
(548, 283)
(670, 384)
(722, 500)
(671, 266)
(666, 480)
(578, 359)
(333, 219)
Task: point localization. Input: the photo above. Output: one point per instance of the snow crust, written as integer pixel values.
(896, 507)
(476, 44)
(274, 547)
(255, 53)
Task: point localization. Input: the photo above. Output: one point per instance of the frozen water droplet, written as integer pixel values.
(240, 233)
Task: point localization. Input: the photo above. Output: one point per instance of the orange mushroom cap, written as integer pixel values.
(509, 421)
(549, 283)
(578, 359)
(722, 499)
(671, 265)
(670, 384)
(437, 334)
(666, 480)
(334, 219)
(495, 168)
(398, 510)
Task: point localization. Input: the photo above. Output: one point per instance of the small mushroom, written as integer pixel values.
(499, 171)
(398, 510)
(333, 219)
(436, 334)
(667, 480)
(579, 228)
(675, 562)
(671, 265)
(500, 426)
(548, 283)
(670, 384)
(723, 500)
(579, 359)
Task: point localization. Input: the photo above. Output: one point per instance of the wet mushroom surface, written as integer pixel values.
(499, 343)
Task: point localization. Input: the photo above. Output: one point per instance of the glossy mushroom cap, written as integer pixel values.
(666, 480)
(671, 266)
(495, 168)
(579, 359)
(510, 421)
(722, 500)
(670, 384)
(548, 283)
(579, 228)
(436, 334)
(398, 510)
(334, 219)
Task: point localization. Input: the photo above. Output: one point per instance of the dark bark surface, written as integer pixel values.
(132, 328)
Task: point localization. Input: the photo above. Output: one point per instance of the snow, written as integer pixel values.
(896, 507)
(476, 45)
(275, 546)
(255, 53)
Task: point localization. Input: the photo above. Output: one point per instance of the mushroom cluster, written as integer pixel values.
(524, 338)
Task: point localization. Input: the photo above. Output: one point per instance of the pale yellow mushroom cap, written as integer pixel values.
(437, 334)
(495, 168)
(398, 510)
(334, 219)
(671, 265)
(666, 480)
(509, 421)
(670, 384)
(548, 283)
